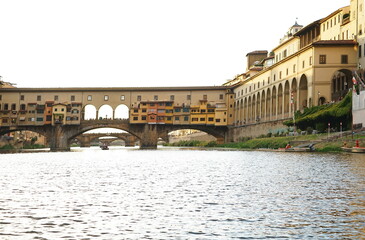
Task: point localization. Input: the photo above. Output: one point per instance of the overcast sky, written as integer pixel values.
(125, 43)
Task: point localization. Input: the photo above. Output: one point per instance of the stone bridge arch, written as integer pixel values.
(86, 138)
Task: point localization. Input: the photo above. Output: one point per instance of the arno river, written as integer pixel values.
(181, 194)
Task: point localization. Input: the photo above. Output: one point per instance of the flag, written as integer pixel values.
(355, 86)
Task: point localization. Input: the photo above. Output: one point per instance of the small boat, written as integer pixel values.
(354, 149)
(104, 147)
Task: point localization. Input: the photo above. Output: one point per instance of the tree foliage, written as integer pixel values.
(318, 117)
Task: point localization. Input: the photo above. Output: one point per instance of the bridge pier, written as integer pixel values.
(58, 138)
(149, 137)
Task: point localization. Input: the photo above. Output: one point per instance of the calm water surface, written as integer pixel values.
(181, 194)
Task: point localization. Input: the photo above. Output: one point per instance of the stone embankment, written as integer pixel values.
(199, 136)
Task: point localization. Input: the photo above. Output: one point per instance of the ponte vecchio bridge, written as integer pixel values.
(62, 114)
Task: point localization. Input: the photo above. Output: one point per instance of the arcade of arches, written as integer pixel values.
(105, 112)
(281, 100)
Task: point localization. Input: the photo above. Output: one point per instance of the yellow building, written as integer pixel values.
(311, 66)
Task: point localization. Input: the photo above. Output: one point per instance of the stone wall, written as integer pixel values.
(255, 130)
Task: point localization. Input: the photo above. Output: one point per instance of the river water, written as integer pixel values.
(181, 194)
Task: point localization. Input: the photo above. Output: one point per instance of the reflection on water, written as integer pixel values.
(181, 194)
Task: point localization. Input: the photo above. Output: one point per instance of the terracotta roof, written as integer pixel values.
(334, 42)
(258, 52)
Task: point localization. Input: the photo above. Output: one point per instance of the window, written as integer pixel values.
(144, 118)
(344, 59)
(303, 64)
(89, 97)
(22, 97)
(172, 97)
(6, 106)
(155, 97)
(177, 118)
(274, 77)
(39, 98)
(106, 97)
(188, 97)
(210, 119)
(139, 98)
(218, 120)
(202, 119)
(280, 75)
(294, 68)
(122, 98)
(39, 119)
(322, 59)
(310, 60)
(135, 110)
(194, 119)
(72, 98)
(22, 107)
(1, 97)
(144, 110)
(135, 118)
(55, 98)
(186, 118)
(185, 109)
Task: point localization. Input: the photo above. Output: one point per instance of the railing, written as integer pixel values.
(105, 121)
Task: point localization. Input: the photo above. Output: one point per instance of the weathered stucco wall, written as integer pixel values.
(255, 130)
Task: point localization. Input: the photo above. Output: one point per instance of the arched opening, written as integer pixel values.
(89, 112)
(258, 108)
(249, 111)
(105, 112)
(245, 111)
(241, 112)
(280, 99)
(237, 112)
(321, 101)
(274, 102)
(303, 92)
(294, 95)
(268, 104)
(23, 139)
(263, 99)
(105, 137)
(341, 83)
(286, 99)
(253, 114)
(121, 112)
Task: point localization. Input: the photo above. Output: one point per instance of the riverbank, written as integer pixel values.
(322, 142)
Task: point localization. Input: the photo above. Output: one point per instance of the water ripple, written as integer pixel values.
(171, 194)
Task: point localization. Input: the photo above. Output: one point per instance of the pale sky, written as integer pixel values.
(126, 43)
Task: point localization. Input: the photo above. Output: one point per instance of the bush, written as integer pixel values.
(7, 147)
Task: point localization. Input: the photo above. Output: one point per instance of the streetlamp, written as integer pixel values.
(329, 127)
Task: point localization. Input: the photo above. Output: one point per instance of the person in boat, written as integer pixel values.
(287, 146)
